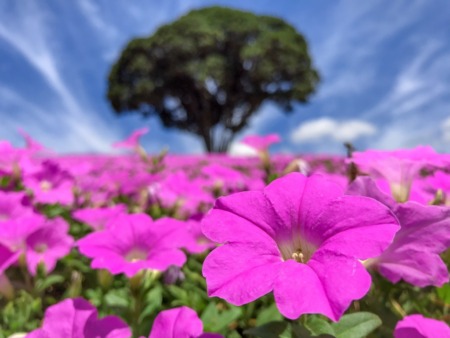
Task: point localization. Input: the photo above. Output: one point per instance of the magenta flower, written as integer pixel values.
(48, 244)
(398, 167)
(50, 184)
(7, 258)
(132, 142)
(31, 144)
(179, 322)
(178, 190)
(261, 143)
(418, 326)
(99, 218)
(135, 242)
(40, 240)
(12, 206)
(300, 238)
(424, 233)
(196, 242)
(78, 318)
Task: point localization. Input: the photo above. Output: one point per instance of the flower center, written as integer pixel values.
(299, 250)
(46, 185)
(298, 256)
(135, 255)
(41, 247)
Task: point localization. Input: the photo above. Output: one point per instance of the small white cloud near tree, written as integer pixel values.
(327, 128)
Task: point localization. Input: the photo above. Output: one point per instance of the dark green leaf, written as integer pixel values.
(356, 325)
(269, 330)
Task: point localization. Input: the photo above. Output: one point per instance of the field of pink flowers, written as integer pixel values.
(141, 245)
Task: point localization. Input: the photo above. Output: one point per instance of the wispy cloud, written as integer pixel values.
(356, 33)
(29, 33)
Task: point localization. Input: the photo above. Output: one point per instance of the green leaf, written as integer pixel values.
(444, 293)
(356, 325)
(317, 326)
(299, 331)
(268, 314)
(117, 298)
(215, 320)
(269, 330)
(227, 317)
(43, 284)
(209, 315)
(153, 300)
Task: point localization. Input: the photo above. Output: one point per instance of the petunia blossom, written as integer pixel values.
(300, 238)
(132, 142)
(179, 322)
(414, 253)
(418, 326)
(39, 239)
(261, 143)
(51, 184)
(398, 167)
(12, 206)
(135, 242)
(78, 318)
(47, 244)
(99, 218)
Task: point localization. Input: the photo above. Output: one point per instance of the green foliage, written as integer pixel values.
(210, 70)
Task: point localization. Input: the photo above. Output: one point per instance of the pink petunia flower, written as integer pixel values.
(135, 242)
(51, 184)
(48, 244)
(99, 218)
(261, 143)
(7, 258)
(398, 167)
(132, 142)
(300, 238)
(12, 206)
(78, 318)
(40, 240)
(418, 326)
(414, 253)
(196, 242)
(179, 322)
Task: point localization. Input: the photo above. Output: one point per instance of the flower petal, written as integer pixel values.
(241, 273)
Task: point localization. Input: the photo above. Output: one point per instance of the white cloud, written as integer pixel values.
(325, 127)
(240, 149)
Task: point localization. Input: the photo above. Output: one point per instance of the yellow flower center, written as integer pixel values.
(135, 255)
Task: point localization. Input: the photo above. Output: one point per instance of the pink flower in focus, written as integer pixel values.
(418, 326)
(179, 322)
(261, 143)
(132, 142)
(300, 238)
(135, 242)
(77, 318)
(99, 218)
(414, 253)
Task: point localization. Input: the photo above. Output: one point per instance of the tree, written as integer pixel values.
(210, 70)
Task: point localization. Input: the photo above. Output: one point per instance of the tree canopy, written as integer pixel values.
(210, 70)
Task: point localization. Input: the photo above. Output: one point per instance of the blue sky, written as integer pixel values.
(385, 68)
